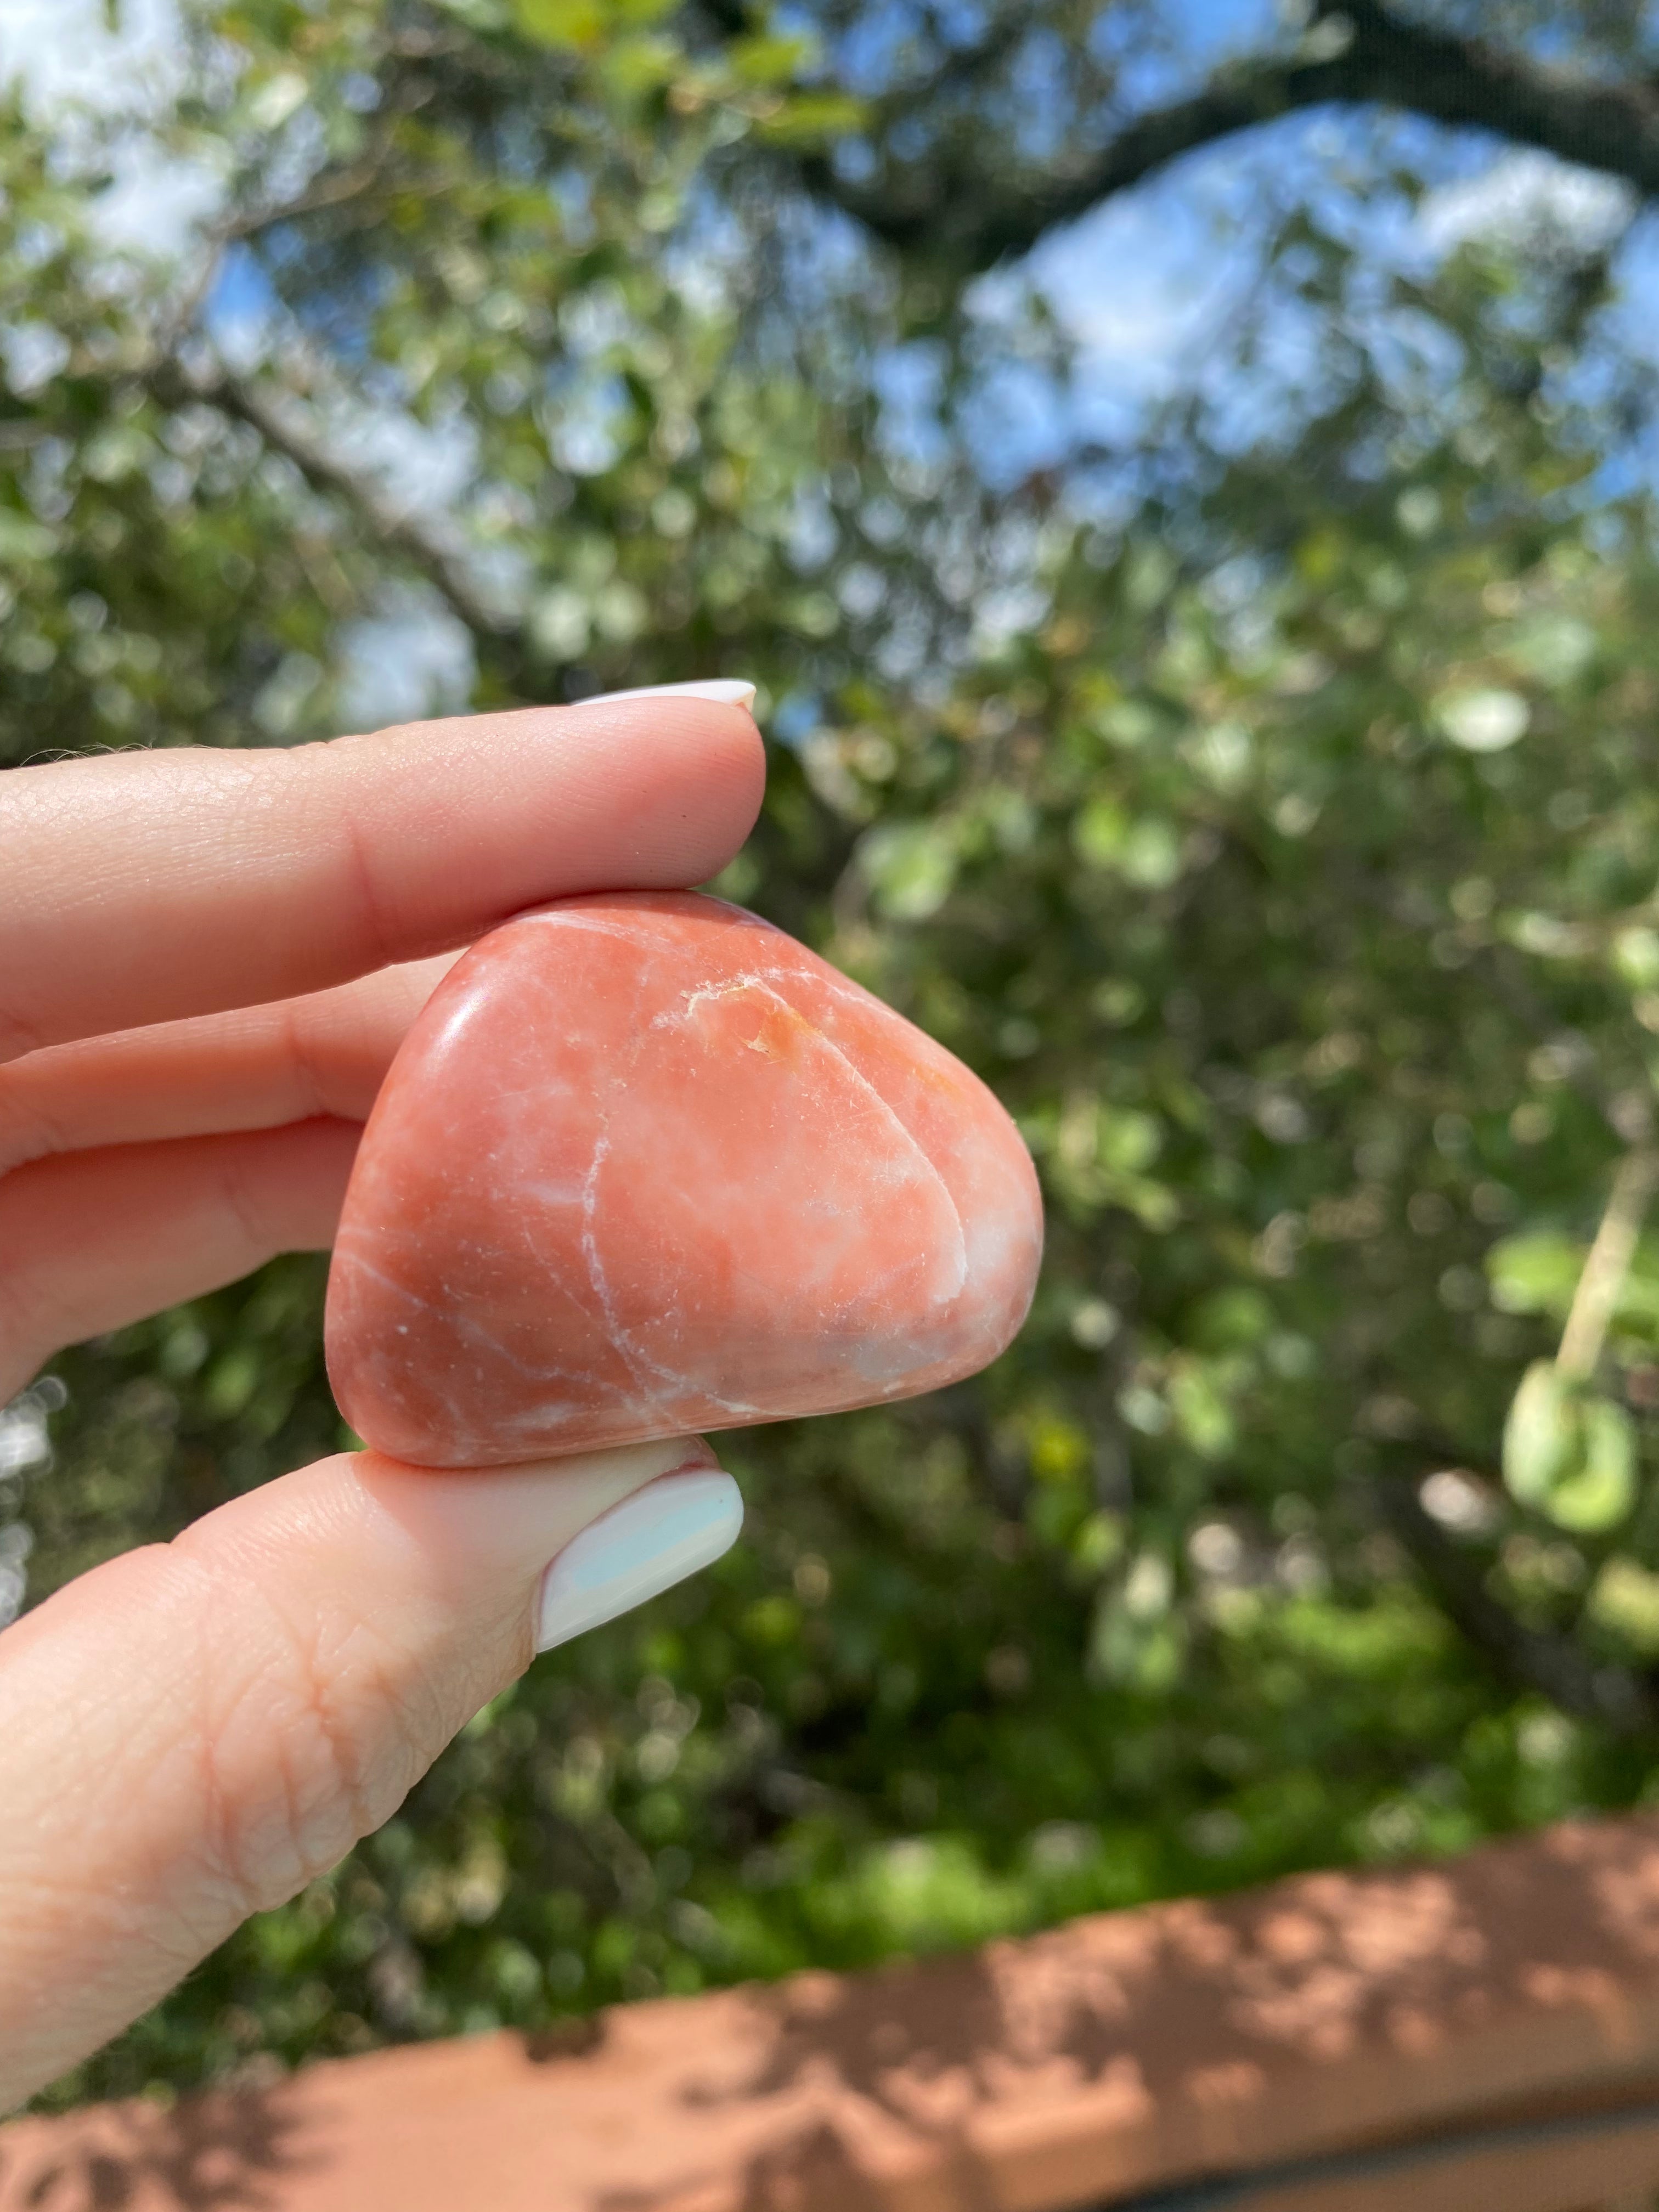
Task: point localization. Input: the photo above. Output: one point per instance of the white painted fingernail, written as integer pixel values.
(656, 1538)
(723, 691)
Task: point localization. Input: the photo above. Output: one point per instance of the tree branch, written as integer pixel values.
(1609, 1697)
(332, 188)
(280, 423)
(1608, 1264)
(1362, 54)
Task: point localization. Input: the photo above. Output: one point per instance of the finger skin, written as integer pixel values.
(254, 1067)
(196, 1730)
(145, 886)
(93, 1240)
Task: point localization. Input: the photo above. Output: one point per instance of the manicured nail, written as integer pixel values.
(656, 1538)
(723, 691)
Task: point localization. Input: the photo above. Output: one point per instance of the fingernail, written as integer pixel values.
(725, 692)
(670, 1529)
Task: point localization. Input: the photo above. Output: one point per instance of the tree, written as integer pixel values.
(925, 185)
(1261, 797)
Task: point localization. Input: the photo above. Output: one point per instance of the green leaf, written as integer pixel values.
(1145, 852)
(1231, 1319)
(911, 867)
(478, 14)
(1569, 1454)
(1202, 1413)
(1601, 1491)
(1540, 1437)
(641, 65)
(1127, 1140)
(279, 98)
(578, 26)
(1624, 1598)
(771, 59)
(1487, 720)
(1636, 956)
(23, 539)
(813, 119)
(1555, 649)
(1535, 1273)
(587, 26)
(1099, 832)
(1153, 1203)
(1059, 1449)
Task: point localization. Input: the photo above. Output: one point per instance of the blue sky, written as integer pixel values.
(1141, 281)
(1144, 284)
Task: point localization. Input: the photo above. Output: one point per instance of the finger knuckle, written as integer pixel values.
(312, 1748)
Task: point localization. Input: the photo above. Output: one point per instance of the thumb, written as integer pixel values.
(197, 1730)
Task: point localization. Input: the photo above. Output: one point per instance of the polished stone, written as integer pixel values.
(645, 1166)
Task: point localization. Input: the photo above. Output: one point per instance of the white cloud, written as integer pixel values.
(70, 57)
(420, 468)
(1139, 283)
(412, 659)
(33, 353)
(1525, 196)
(67, 50)
(156, 203)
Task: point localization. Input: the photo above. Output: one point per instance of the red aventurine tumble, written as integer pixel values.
(646, 1165)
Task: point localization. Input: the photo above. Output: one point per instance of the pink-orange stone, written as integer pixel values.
(645, 1165)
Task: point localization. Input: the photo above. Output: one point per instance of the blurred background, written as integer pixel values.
(1182, 474)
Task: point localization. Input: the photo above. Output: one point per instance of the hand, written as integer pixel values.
(207, 961)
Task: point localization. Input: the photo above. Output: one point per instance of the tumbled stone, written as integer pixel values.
(645, 1165)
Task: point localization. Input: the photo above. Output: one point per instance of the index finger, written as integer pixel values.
(140, 887)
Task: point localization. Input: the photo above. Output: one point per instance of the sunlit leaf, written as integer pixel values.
(1487, 720)
(768, 59)
(1541, 1438)
(1568, 1453)
(1535, 1273)
(813, 119)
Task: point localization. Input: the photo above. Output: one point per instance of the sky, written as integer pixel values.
(1141, 281)
(412, 658)
(67, 47)
(1139, 278)
(1144, 284)
(66, 52)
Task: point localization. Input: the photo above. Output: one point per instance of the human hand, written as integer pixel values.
(207, 961)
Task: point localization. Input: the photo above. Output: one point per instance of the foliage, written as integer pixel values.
(1266, 808)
